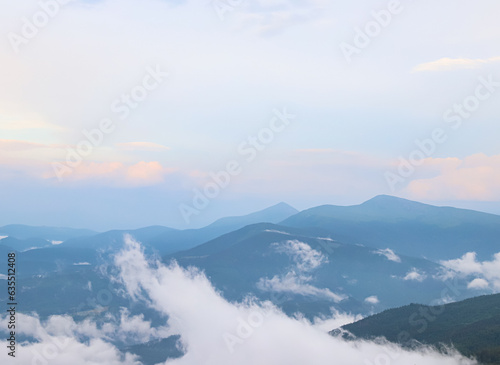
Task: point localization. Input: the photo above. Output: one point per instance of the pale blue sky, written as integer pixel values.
(226, 76)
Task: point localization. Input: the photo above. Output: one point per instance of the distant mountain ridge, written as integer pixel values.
(386, 208)
(168, 240)
(273, 214)
(185, 239)
(359, 259)
(364, 254)
(408, 227)
(21, 231)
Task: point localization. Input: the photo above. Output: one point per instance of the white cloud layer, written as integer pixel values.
(336, 320)
(447, 64)
(297, 280)
(60, 340)
(486, 273)
(475, 177)
(213, 330)
(372, 300)
(389, 254)
(296, 284)
(478, 284)
(415, 275)
(306, 258)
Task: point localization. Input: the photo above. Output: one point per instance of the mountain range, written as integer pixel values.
(369, 257)
(362, 259)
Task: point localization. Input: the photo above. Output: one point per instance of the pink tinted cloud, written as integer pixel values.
(476, 177)
(142, 146)
(18, 145)
(119, 174)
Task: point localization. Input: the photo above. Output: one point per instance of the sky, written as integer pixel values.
(124, 114)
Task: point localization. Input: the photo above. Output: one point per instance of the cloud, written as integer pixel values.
(17, 145)
(214, 331)
(447, 64)
(414, 275)
(336, 320)
(297, 280)
(484, 272)
(466, 265)
(269, 18)
(14, 123)
(107, 173)
(389, 254)
(149, 172)
(142, 146)
(117, 173)
(321, 151)
(134, 329)
(60, 340)
(476, 177)
(294, 283)
(276, 231)
(301, 171)
(306, 258)
(478, 284)
(372, 300)
(126, 328)
(67, 350)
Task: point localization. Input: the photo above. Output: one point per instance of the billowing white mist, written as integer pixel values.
(213, 331)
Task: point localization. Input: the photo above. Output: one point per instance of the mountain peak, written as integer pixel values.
(390, 200)
(282, 206)
(273, 214)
